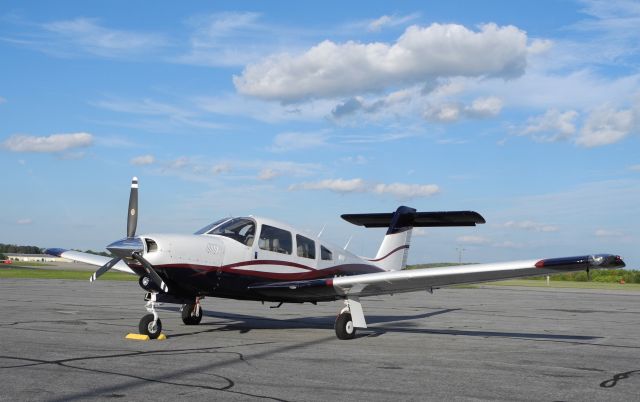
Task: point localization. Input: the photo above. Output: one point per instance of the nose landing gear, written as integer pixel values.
(150, 324)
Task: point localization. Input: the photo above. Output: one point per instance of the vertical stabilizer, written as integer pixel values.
(393, 252)
(392, 255)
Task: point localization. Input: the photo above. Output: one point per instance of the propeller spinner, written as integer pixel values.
(130, 247)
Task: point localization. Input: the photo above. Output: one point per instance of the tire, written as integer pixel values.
(344, 327)
(148, 327)
(187, 314)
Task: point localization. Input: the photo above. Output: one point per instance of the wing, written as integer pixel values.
(87, 258)
(428, 278)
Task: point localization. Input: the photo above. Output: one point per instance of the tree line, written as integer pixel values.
(13, 248)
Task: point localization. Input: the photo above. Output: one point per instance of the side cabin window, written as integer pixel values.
(276, 240)
(325, 253)
(306, 247)
(242, 230)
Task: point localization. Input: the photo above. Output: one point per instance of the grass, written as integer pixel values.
(35, 273)
(567, 284)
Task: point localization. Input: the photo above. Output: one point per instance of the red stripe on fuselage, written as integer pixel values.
(344, 269)
(391, 252)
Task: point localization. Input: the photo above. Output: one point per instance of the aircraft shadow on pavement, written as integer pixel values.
(379, 325)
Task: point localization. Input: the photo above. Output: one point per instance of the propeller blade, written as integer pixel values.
(104, 268)
(152, 273)
(132, 214)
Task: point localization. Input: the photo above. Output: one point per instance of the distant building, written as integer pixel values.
(34, 257)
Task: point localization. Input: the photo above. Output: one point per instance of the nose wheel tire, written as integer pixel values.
(150, 326)
(344, 327)
(191, 315)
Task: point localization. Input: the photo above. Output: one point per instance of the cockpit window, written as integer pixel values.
(211, 226)
(242, 230)
(274, 239)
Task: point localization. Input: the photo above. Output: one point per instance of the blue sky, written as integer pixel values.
(528, 113)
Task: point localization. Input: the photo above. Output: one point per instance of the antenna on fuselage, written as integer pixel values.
(348, 241)
(321, 230)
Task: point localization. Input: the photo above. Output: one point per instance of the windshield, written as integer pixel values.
(242, 230)
(211, 226)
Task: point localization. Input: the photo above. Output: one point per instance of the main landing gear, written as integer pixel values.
(349, 318)
(192, 313)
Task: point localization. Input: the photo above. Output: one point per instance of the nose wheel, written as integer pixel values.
(150, 324)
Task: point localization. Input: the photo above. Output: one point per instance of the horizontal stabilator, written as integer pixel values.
(408, 217)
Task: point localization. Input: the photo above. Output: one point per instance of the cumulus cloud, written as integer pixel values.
(52, 143)
(532, 226)
(606, 126)
(398, 190)
(420, 54)
(552, 126)
(454, 111)
(484, 107)
(143, 160)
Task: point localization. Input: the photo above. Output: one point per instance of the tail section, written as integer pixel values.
(393, 252)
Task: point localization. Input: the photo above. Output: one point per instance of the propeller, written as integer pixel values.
(130, 246)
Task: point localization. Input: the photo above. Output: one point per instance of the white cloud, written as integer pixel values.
(337, 185)
(390, 21)
(551, 126)
(508, 244)
(170, 115)
(606, 126)
(407, 191)
(268, 174)
(439, 50)
(474, 240)
(445, 113)
(635, 168)
(143, 160)
(221, 168)
(398, 190)
(86, 34)
(226, 39)
(292, 141)
(484, 107)
(453, 111)
(2, 100)
(532, 226)
(25, 221)
(52, 143)
(608, 233)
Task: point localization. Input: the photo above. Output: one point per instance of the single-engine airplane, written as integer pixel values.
(252, 258)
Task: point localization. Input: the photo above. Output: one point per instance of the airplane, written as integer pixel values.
(259, 259)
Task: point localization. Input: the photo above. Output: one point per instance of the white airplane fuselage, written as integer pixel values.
(220, 265)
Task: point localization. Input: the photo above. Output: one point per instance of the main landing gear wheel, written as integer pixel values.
(344, 326)
(150, 326)
(191, 314)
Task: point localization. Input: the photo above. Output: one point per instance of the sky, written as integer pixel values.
(527, 112)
